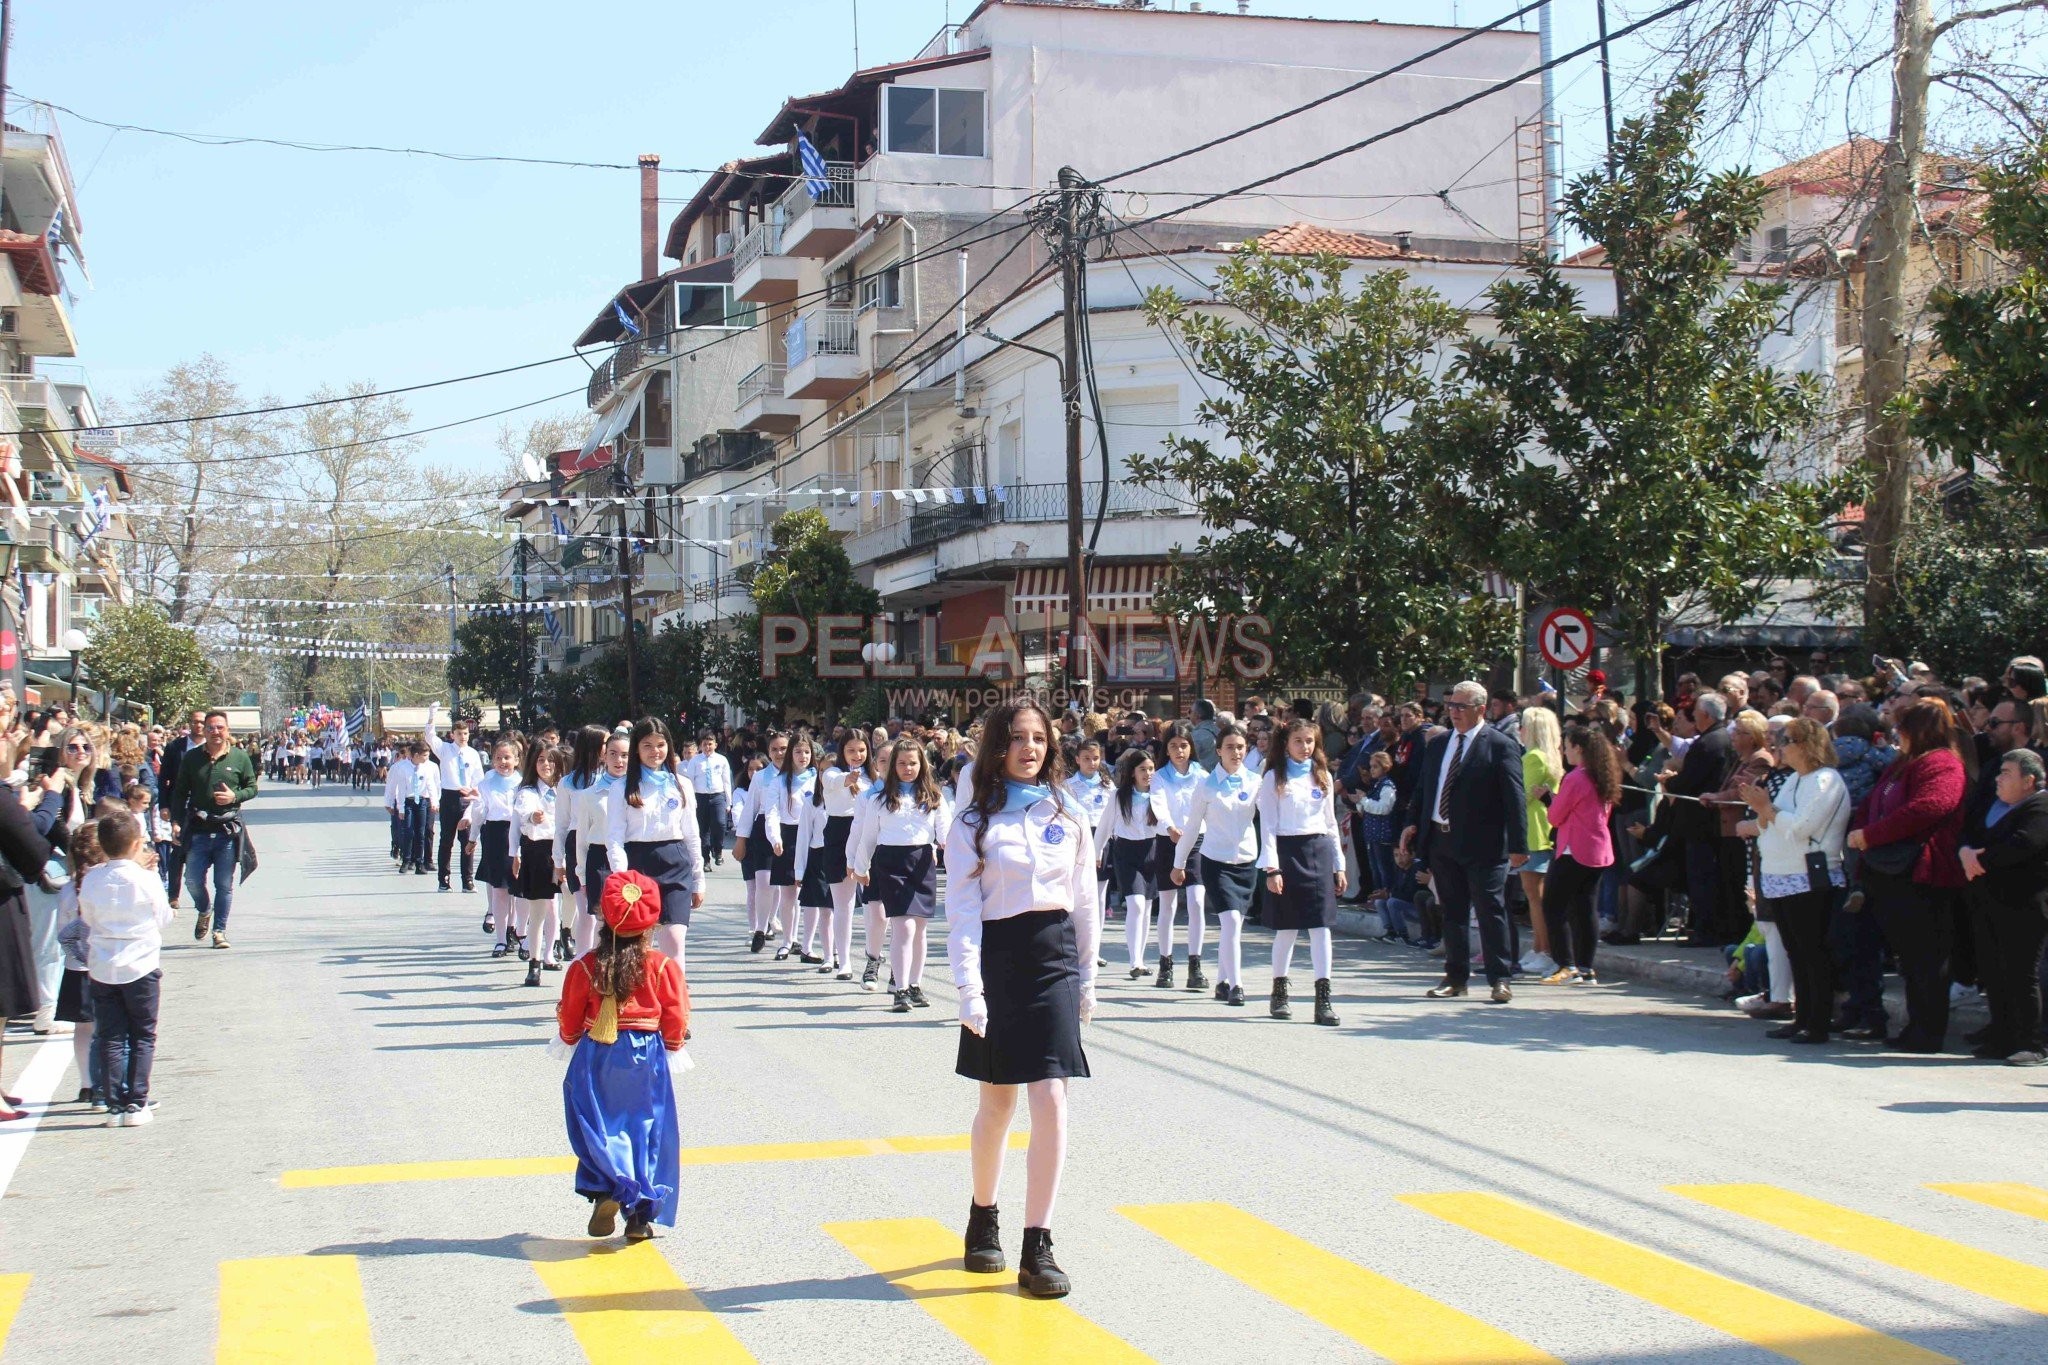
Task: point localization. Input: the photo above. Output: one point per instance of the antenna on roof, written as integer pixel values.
(856, 35)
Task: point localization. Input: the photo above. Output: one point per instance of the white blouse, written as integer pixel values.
(1220, 814)
(1091, 793)
(528, 802)
(1141, 823)
(582, 811)
(1039, 858)
(1301, 808)
(781, 798)
(667, 812)
(494, 796)
(908, 826)
(1173, 794)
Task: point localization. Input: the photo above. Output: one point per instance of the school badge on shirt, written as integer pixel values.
(1055, 832)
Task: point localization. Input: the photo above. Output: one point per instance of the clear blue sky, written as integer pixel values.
(302, 269)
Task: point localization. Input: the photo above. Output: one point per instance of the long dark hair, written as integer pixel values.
(621, 964)
(1276, 754)
(839, 761)
(926, 794)
(530, 774)
(787, 767)
(1601, 763)
(646, 726)
(589, 745)
(1127, 781)
(992, 764)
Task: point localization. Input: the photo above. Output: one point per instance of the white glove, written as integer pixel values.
(679, 1062)
(1087, 1004)
(974, 1015)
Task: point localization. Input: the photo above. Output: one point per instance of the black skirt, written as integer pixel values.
(494, 856)
(1130, 869)
(1309, 878)
(536, 880)
(1031, 982)
(759, 855)
(782, 866)
(597, 865)
(668, 865)
(74, 998)
(905, 879)
(1227, 887)
(20, 992)
(570, 863)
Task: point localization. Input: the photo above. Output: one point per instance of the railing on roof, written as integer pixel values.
(930, 523)
(33, 391)
(948, 40)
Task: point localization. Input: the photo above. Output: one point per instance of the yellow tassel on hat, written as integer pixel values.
(606, 1028)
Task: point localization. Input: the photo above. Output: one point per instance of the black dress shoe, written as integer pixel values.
(1803, 1037)
(1785, 1031)
(1447, 991)
(1869, 1033)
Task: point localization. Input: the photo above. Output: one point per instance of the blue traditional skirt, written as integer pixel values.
(621, 1109)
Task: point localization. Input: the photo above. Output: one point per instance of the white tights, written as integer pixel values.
(1318, 952)
(841, 935)
(760, 904)
(498, 905)
(1137, 927)
(81, 1050)
(785, 913)
(669, 939)
(906, 951)
(1043, 1159)
(586, 922)
(877, 929)
(1230, 947)
(545, 920)
(1169, 906)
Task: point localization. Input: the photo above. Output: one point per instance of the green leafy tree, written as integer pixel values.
(1320, 508)
(1990, 403)
(1639, 464)
(805, 577)
(490, 657)
(1972, 586)
(137, 653)
(673, 672)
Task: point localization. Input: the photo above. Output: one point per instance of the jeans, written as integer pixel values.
(711, 823)
(218, 854)
(419, 831)
(1379, 861)
(124, 1035)
(400, 848)
(163, 864)
(48, 953)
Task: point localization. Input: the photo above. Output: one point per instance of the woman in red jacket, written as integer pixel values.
(1906, 830)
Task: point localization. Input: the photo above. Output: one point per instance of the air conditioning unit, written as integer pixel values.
(724, 247)
(10, 322)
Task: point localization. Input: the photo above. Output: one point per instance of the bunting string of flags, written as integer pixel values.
(263, 516)
(342, 652)
(473, 608)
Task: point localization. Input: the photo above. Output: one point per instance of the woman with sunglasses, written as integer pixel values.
(72, 773)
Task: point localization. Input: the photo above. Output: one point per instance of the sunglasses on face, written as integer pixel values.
(77, 747)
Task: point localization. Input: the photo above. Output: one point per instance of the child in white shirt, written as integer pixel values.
(125, 910)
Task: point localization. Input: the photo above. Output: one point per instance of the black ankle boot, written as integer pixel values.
(1165, 977)
(1279, 1008)
(984, 1241)
(1040, 1275)
(1324, 1014)
(1196, 981)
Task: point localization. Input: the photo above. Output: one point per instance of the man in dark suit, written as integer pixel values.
(1468, 826)
(2005, 857)
(1705, 768)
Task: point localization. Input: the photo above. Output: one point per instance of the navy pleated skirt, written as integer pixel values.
(1031, 981)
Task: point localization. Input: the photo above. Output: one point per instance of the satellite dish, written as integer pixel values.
(531, 469)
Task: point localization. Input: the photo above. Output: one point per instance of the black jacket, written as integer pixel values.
(2015, 856)
(1488, 818)
(1708, 762)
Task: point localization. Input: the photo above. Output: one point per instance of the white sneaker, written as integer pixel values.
(1543, 965)
(1750, 1002)
(116, 1119)
(138, 1118)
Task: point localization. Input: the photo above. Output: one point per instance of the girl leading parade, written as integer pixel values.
(491, 815)
(1302, 857)
(1024, 929)
(1173, 795)
(652, 830)
(1221, 824)
(896, 858)
(583, 822)
(754, 849)
(535, 881)
(1125, 835)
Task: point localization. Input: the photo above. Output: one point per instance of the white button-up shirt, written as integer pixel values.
(1091, 793)
(461, 766)
(1220, 814)
(582, 811)
(667, 813)
(426, 780)
(709, 773)
(528, 802)
(1443, 771)
(125, 910)
(1142, 822)
(908, 826)
(1173, 793)
(1039, 858)
(1302, 808)
(398, 783)
(494, 796)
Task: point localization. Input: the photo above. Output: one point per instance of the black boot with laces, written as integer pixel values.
(1280, 1009)
(1040, 1275)
(1325, 1015)
(984, 1241)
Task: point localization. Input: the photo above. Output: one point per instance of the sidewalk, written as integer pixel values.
(1692, 971)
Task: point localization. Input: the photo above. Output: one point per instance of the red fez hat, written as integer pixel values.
(631, 904)
(1596, 678)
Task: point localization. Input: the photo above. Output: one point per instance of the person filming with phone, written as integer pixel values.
(205, 807)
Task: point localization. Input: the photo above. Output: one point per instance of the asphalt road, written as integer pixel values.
(1585, 1175)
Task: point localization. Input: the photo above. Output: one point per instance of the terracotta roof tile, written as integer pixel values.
(1847, 164)
(1305, 239)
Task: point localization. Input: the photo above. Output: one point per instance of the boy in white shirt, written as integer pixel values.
(125, 910)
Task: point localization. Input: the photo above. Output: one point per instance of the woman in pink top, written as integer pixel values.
(1578, 814)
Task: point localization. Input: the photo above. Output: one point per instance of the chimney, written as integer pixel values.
(650, 215)
(1404, 243)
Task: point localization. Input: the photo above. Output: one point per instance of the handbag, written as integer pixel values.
(1894, 860)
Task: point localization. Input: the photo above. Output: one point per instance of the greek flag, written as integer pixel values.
(358, 717)
(814, 166)
(547, 616)
(625, 318)
(555, 525)
(100, 515)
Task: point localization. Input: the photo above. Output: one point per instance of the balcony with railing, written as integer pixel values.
(602, 381)
(818, 216)
(762, 271)
(1018, 504)
(822, 352)
(720, 451)
(37, 399)
(759, 404)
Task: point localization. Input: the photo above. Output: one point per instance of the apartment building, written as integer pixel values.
(61, 530)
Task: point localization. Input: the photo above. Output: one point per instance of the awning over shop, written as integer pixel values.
(1111, 587)
(613, 421)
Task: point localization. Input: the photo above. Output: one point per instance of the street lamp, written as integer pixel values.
(75, 640)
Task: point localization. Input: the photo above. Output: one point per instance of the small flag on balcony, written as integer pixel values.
(813, 164)
(625, 318)
(555, 525)
(959, 496)
(99, 514)
(547, 616)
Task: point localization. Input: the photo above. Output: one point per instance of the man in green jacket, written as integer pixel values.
(205, 807)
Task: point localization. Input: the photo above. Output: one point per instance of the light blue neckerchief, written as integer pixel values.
(1298, 767)
(1174, 779)
(1225, 782)
(1021, 795)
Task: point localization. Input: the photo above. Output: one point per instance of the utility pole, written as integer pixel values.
(525, 668)
(625, 588)
(1080, 669)
(454, 693)
(1606, 80)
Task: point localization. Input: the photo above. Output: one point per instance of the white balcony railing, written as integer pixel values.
(822, 331)
(834, 192)
(763, 381)
(765, 240)
(35, 391)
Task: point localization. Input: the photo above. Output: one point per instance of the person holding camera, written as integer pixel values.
(206, 814)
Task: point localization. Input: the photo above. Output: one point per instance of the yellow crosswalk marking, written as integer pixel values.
(2029, 1201)
(922, 1259)
(1386, 1318)
(405, 1172)
(12, 1288)
(628, 1306)
(1937, 1258)
(1742, 1311)
(283, 1310)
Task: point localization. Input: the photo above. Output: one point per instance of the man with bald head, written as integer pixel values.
(1468, 826)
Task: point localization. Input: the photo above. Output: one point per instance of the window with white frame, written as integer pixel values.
(882, 288)
(932, 122)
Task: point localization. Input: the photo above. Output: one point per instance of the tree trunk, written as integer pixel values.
(1887, 450)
